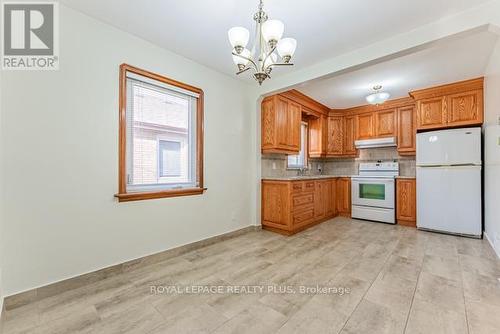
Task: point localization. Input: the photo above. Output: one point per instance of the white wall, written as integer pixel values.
(59, 136)
(492, 114)
(1, 207)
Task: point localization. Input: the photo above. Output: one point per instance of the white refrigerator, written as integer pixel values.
(449, 181)
(492, 185)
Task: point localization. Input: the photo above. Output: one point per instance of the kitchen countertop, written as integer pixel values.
(316, 177)
(302, 177)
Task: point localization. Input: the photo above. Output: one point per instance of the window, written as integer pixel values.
(161, 136)
(300, 161)
(170, 159)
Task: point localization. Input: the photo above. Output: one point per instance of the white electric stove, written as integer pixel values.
(373, 192)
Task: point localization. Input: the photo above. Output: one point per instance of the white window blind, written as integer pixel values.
(161, 136)
(300, 160)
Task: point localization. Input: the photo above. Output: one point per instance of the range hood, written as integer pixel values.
(373, 143)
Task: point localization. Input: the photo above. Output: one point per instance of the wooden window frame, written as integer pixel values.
(123, 195)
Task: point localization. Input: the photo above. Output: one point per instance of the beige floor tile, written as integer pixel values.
(426, 318)
(396, 277)
(197, 318)
(483, 318)
(138, 320)
(372, 318)
(445, 294)
(448, 267)
(482, 289)
(245, 322)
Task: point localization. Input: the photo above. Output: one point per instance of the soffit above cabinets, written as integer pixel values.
(450, 61)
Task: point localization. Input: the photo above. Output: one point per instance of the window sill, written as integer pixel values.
(159, 194)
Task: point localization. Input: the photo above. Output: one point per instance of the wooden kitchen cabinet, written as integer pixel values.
(452, 105)
(318, 136)
(407, 131)
(385, 123)
(431, 113)
(406, 202)
(343, 192)
(281, 119)
(365, 126)
(335, 141)
(349, 136)
(291, 206)
(465, 108)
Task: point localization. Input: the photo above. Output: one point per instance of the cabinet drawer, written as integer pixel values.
(302, 186)
(303, 199)
(309, 186)
(303, 217)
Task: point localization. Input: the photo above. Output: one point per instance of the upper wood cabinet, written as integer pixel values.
(453, 105)
(431, 113)
(385, 123)
(335, 141)
(365, 126)
(318, 136)
(407, 130)
(376, 124)
(465, 108)
(281, 120)
(406, 202)
(349, 136)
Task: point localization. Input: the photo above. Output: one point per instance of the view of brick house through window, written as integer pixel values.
(161, 144)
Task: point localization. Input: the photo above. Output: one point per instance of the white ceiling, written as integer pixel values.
(446, 62)
(197, 29)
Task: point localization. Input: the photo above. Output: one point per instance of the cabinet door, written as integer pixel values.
(431, 113)
(385, 123)
(333, 197)
(407, 131)
(317, 137)
(349, 136)
(335, 135)
(406, 211)
(465, 108)
(268, 123)
(294, 121)
(365, 126)
(344, 196)
(276, 205)
(328, 198)
(319, 201)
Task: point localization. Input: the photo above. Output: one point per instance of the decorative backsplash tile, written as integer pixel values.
(275, 165)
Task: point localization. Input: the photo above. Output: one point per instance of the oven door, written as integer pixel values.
(375, 192)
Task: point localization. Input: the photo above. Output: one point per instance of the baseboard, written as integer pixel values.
(497, 251)
(34, 295)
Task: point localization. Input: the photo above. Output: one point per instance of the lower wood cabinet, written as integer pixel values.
(406, 202)
(291, 206)
(343, 192)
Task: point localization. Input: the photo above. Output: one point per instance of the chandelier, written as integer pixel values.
(378, 97)
(267, 47)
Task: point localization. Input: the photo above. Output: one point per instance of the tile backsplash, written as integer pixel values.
(275, 165)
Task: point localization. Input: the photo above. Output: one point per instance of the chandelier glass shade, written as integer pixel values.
(378, 97)
(269, 50)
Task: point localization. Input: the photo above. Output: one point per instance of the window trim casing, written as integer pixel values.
(123, 195)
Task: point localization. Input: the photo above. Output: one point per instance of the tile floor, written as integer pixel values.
(400, 280)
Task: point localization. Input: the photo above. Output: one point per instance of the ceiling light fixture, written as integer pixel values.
(378, 97)
(268, 45)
